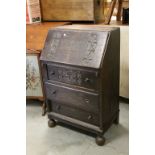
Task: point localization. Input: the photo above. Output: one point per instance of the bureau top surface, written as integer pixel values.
(77, 46)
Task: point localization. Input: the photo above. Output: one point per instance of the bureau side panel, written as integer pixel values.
(110, 77)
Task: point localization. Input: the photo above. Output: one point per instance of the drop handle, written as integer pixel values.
(54, 92)
(52, 73)
(87, 80)
(90, 117)
(87, 100)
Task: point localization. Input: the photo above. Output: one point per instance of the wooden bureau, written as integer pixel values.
(80, 68)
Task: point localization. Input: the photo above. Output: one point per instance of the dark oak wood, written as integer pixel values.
(77, 97)
(81, 77)
(116, 121)
(100, 140)
(75, 113)
(51, 123)
(74, 76)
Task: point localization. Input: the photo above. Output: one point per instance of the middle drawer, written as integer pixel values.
(73, 97)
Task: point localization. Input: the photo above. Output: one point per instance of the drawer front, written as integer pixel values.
(75, 113)
(83, 78)
(72, 97)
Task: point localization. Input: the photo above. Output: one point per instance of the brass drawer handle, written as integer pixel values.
(90, 117)
(54, 92)
(52, 73)
(87, 100)
(87, 80)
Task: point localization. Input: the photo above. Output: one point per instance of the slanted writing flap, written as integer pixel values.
(75, 47)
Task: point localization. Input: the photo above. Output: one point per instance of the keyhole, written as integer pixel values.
(52, 73)
(54, 92)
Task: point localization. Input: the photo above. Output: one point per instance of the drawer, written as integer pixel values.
(75, 113)
(73, 97)
(74, 76)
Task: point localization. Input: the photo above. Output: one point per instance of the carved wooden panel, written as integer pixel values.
(70, 75)
(91, 47)
(75, 47)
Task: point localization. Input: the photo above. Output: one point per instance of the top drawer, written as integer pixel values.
(74, 76)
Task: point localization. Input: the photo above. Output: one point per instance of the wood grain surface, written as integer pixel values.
(72, 10)
(68, 99)
(36, 34)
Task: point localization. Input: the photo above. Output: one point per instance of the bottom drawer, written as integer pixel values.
(75, 113)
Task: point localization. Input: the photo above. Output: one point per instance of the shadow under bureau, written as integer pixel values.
(80, 68)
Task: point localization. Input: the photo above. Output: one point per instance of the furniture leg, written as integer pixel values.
(44, 109)
(51, 123)
(100, 140)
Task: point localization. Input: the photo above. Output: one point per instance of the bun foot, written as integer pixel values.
(51, 123)
(100, 140)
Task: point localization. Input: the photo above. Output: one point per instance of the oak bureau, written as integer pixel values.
(80, 68)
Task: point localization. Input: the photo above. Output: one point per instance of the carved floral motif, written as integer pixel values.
(70, 76)
(54, 43)
(91, 47)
